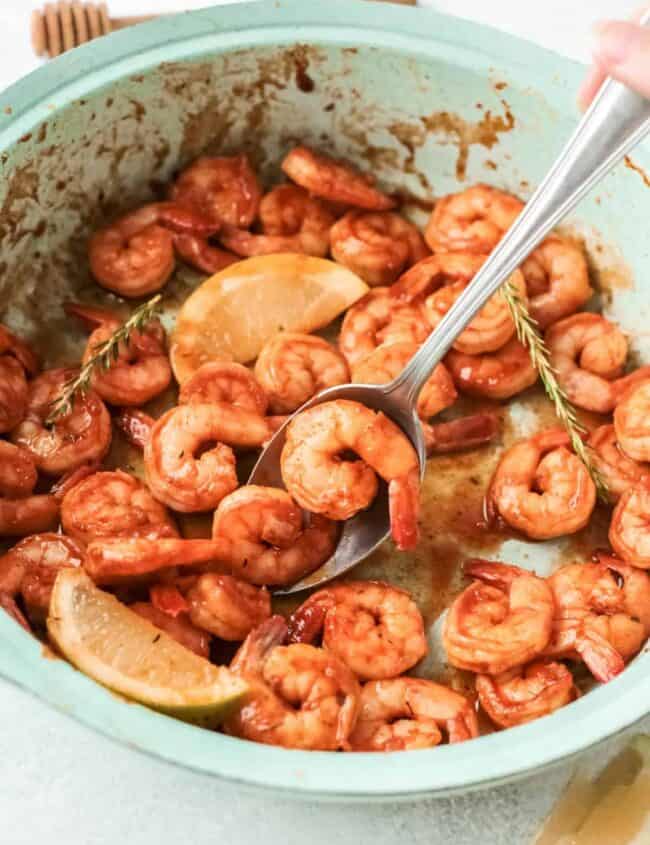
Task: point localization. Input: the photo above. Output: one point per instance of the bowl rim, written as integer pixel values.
(488, 760)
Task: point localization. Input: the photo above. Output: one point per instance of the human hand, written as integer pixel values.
(621, 50)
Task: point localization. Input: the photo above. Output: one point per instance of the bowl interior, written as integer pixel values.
(427, 104)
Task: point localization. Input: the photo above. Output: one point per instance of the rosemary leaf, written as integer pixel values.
(105, 354)
(529, 334)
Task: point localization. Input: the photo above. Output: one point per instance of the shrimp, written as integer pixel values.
(22, 512)
(434, 272)
(387, 362)
(141, 368)
(300, 696)
(525, 693)
(180, 471)
(293, 367)
(460, 434)
(493, 326)
(619, 472)
(31, 567)
(225, 381)
(378, 318)
(113, 504)
(629, 530)
(407, 713)
(227, 607)
(292, 221)
(376, 245)
(374, 628)
(492, 627)
(473, 220)
(202, 255)
(272, 546)
(134, 255)
(81, 436)
(178, 627)
(333, 180)
(602, 614)
(632, 422)
(493, 375)
(541, 488)
(223, 189)
(321, 481)
(588, 353)
(16, 361)
(557, 279)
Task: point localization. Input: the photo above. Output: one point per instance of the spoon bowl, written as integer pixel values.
(362, 534)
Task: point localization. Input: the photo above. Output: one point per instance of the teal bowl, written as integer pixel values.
(429, 103)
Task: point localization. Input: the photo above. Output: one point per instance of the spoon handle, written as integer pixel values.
(615, 122)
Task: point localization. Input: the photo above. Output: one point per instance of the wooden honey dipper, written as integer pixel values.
(58, 27)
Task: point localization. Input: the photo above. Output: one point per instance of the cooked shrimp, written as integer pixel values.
(32, 565)
(114, 504)
(629, 530)
(179, 470)
(492, 327)
(272, 546)
(322, 482)
(473, 220)
(617, 470)
(292, 221)
(461, 433)
(632, 422)
(377, 318)
(8, 604)
(434, 272)
(225, 381)
(224, 189)
(333, 180)
(525, 693)
(557, 279)
(541, 488)
(134, 255)
(293, 367)
(602, 614)
(588, 353)
(112, 561)
(141, 368)
(376, 245)
(388, 361)
(79, 437)
(178, 627)
(300, 696)
(494, 375)
(21, 512)
(492, 627)
(374, 628)
(227, 607)
(407, 713)
(199, 253)
(16, 360)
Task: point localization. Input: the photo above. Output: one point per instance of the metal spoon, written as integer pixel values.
(615, 122)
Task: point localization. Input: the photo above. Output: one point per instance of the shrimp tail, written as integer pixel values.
(135, 425)
(169, 599)
(253, 651)
(200, 254)
(602, 659)
(8, 604)
(72, 478)
(307, 621)
(91, 317)
(404, 507)
(464, 433)
(492, 572)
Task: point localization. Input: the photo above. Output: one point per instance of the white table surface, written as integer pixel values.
(65, 784)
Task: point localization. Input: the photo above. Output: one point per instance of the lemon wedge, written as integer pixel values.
(232, 314)
(121, 650)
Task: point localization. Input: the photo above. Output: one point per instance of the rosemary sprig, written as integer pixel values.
(529, 334)
(104, 356)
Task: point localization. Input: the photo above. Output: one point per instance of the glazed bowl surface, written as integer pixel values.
(429, 104)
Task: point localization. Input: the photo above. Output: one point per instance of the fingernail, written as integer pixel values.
(614, 41)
